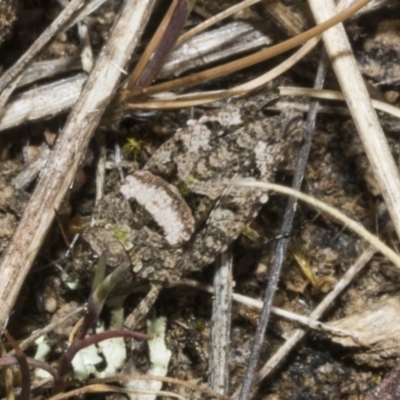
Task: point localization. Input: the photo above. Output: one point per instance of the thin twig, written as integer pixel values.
(286, 228)
(48, 328)
(68, 152)
(280, 312)
(221, 324)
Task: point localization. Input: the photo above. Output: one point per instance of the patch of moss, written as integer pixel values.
(119, 233)
(132, 147)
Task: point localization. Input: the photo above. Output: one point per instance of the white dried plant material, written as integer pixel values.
(32, 170)
(86, 51)
(114, 352)
(159, 353)
(84, 363)
(377, 328)
(49, 68)
(114, 349)
(206, 48)
(164, 202)
(42, 102)
(159, 359)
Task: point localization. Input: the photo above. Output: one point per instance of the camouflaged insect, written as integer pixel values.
(176, 215)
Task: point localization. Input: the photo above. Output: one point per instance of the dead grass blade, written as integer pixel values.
(335, 95)
(333, 212)
(160, 46)
(199, 98)
(253, 59)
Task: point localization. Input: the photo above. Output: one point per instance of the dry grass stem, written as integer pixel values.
(303, 107)
(361, 108)
(215, 19)
(335, 95)
(253, 59)
(333, 212)
(252, 303)
(71, 145)
(199, 98)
